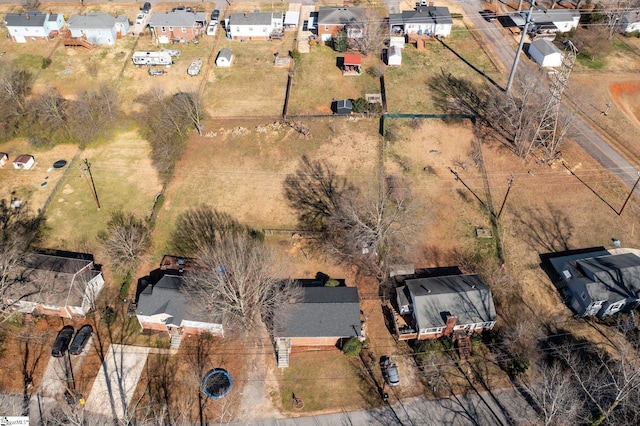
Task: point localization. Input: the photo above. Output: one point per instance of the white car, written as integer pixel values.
(212, 28)
(140, 18)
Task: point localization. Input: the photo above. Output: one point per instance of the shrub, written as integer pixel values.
(352, 347)
(518, 365)
(296, 55)
(340, 42)
(332, 283)
(360, 105)
(45, 63)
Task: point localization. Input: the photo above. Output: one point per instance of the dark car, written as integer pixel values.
(146, 7)
(489, 15)
(215, 15)
(62, 341)
(82, 336)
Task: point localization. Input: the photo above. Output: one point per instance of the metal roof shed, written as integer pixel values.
(545, 53)
(343, 106)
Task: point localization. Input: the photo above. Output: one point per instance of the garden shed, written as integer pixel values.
(342, 107)
(3, 158)
(545, 53)
(224, 59)
(24, 162)
(352, 64)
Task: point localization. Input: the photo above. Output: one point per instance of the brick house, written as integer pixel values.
(177, 27)
(332, 20)
(33, 25)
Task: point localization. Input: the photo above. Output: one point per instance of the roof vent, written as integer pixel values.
(26, 15)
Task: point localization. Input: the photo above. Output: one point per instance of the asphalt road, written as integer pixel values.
(503, 49)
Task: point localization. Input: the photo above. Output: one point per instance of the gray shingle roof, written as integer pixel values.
(179, 18)
(255, 18)
(321, 312)
(616, 276)
(422, 15)
(555, 15)
(166, 297)
(465, 296)
(225, 53)
(32, 18)
(92, 21)
(328, 15)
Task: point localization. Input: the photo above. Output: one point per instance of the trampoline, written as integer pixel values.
(59, 164)
(217, 383)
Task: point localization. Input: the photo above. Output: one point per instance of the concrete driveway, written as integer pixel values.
(117, 380)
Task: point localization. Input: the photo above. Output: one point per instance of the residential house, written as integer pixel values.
(59, 283)
(332, 20)
(599, 282)
(24, 162)
(433, 307)
(427, 20)
(321, 317)
(162, 304)
(179, 26)
(33, 25)
(98, 28)
(254, 26)
(545, 53)
(630, 22)
(549, 20)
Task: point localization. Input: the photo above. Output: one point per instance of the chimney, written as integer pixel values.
(451, 322)
(26, 15)
(431, 4)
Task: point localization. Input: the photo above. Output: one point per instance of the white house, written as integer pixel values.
(545, 53)
(24, 162)
(254, 26)
(98, 28)
(33, 25)
(564, 19)
(62, 283)
(224, 59)
(429, 20)
(630, 22)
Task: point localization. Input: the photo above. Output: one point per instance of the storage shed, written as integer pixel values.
(3, 158)
(342, 107)
(24, 162)
(394, 56)
(224, 58)
(545, 53)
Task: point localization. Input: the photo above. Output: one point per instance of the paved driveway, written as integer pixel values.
(117, 380)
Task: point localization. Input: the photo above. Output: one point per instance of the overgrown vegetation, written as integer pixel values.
(352, 347)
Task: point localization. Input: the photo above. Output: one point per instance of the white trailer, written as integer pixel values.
(152, 58)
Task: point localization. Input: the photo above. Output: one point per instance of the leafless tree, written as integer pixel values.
(356, 228)
(190, 106)
(15, 86)
(48, 117)
(199, 228)
(92, 114)
(125, 240)
(555, 395)
(240, 279)
(368, 35)
(18, 231)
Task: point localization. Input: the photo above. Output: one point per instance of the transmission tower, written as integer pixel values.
(548, 134)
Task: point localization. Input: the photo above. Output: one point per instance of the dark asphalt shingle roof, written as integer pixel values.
(92, 21)
(321, 312)
(255, 18)
(32, 18)
(422, 15)
(179, 18)
(615, 276)
(465, 296)
(329, 15)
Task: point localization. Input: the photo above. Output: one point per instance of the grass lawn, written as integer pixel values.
(124, 180)
(252, 86)
(318, 80)
(243, 174)
(325, 380)
(408, 85)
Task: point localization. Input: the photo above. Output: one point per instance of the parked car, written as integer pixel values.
(61, 343)
(212, 28)
(154, 72)
(140, 18)
(146, 7)
(215, 15)
(80, 340)
(391, 372)
(489, 15)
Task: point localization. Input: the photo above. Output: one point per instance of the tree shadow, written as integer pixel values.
(473, 67)
(545, 228)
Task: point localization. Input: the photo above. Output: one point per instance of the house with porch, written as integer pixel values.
(423, 20)
(33, 25)
(321, 317)
(162, 305)
(53, 282)
(179, 26)
(630, 22)
(255, 25)
(98, 28)
(451, 305)
(332, 20)
(599, 282)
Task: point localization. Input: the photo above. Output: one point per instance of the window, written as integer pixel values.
(326, 28)
(487, 324)
(163, 29)
(584, 296)
(250, 29)
(170, 28)
(184, 29)
(616, 306)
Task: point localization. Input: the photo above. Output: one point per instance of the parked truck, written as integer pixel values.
(152, 58)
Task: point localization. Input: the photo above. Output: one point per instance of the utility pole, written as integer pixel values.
(93, 185)
(630, 194)
(525, 30)
(509, 185)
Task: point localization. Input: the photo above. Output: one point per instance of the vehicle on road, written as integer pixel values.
(489, 15)
(80, 339)
(390, 371)
(194, 68)
(61, 343)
